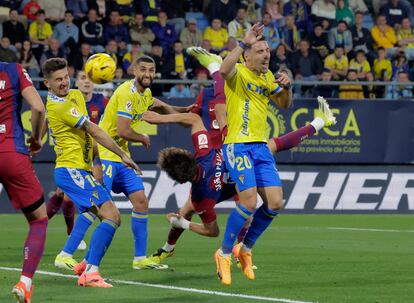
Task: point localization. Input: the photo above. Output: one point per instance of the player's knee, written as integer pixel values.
(141, 204)
(276, 203)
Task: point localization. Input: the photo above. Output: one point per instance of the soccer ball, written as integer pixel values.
(100, 68)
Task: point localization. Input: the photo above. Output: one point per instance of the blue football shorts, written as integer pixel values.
(121, 179)
(251, 165)
(81, 187)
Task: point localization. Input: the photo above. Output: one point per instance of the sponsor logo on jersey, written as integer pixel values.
(128, 106)
(202, 141)
(74, 112)
(2, 128)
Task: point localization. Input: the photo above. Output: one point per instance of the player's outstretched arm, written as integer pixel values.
(103, 139)
(227, 69)
(32, 97)
(185, 119)
(164, 108)
(207, 230)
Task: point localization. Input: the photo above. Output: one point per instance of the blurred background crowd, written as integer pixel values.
(313, 40)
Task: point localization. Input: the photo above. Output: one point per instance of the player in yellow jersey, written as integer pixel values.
(248, 88)
(74, 136)
(122, 114)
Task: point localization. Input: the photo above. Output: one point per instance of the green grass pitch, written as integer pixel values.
(309, 258)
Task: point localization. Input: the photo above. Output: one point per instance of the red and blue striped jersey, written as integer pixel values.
(96, 107)
(13, 80)
(205, 104)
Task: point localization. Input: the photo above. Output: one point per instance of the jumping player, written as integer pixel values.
(16, 171)
(74, 138)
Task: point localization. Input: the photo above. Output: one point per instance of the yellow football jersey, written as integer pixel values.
(247, 96)
(73, 146)
(128, 103)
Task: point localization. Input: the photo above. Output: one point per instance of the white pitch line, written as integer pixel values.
(372, 229)
(170, 287)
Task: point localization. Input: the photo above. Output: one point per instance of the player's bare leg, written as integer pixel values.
(33, 249)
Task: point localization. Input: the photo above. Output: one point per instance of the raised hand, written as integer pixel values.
(254, 34)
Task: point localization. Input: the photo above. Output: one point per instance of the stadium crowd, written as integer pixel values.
(345, 40)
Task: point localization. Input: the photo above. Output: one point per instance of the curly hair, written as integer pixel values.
(178, 163)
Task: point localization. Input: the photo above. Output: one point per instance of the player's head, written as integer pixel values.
(144, 71)
(257, 56)
(179, 164)
(55, 72)
(83, 83)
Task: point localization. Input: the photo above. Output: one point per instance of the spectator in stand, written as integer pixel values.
(180, 90)
(30, 10)
(239, 25)
(405, 38)
(361, 37)
(39, 32)
(191, 35)
(340, 35)
(195, 88)
(275, 9)
(280, 59)
(125, 8)
(306, 64)
(14, 30)
(319, 41)
(112, 50)
(351, 91)
(54, 10)
(180, 63)
(384, 35)
(164, 33)
(67, 33)
(131, 56)
(300, 11)
(326, 91)
(361, 65)
(290, 35)
(370, 91)
(324, 12)
(53, 51)
(224, 10)
(28, 60)
(394, 12)
(119, 75)
(253, 11)
(161, 66)
(400, 64)
(216, 34)
(102, 8)
(92, 32)
(398, 91)
(337, 63)
(358, 6)
(206, 44)
(150, 9)
(382, 70)
(175, 10)
(344, 13)
(6, 54)
(79, 60)
(139, 32)
(230, 45)
(382, 66)
(78, 7)
(116, 29)
(270, 31)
